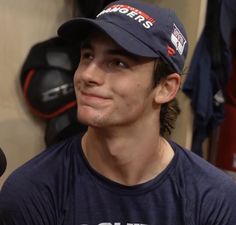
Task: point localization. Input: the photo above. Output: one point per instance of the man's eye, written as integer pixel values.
(118, 63)
(86, 56)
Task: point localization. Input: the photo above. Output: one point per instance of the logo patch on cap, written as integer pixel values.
(137, 15)
(178, 39)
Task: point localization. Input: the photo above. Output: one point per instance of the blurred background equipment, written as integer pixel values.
(47, 84)
(3, 162)
(63, 126)
(47, 77)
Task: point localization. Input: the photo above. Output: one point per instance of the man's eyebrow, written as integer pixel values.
(121, 52)
(86, 44)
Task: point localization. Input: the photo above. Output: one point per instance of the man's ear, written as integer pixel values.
(167, 89)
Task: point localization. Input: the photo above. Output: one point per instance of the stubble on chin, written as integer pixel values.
(91, 119)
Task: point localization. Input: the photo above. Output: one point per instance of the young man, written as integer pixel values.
(122, 171)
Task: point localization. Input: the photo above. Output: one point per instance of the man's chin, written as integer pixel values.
(91, 120)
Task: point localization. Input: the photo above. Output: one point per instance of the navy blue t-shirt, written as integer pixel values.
(58, 187)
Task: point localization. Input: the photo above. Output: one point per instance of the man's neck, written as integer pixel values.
(127, 159)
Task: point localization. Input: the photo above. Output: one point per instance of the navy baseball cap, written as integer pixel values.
(140, 28)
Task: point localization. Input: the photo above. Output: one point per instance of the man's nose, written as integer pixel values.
(91, 74)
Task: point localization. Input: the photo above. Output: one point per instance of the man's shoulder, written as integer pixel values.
(198, 171)
(46, 165)
(206, 190)
(41, 183)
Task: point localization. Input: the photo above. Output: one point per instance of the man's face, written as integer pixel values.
(113, 87)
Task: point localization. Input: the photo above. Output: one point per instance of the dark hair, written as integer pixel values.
(170, 110)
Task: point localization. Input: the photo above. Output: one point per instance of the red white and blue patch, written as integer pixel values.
(178, 39)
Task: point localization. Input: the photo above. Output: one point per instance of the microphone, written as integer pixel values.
(3, 162)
